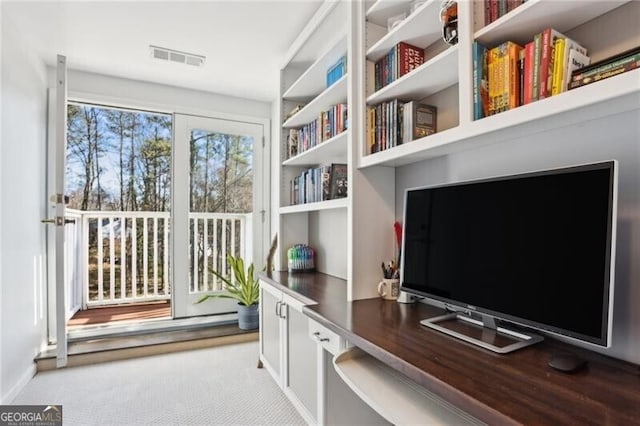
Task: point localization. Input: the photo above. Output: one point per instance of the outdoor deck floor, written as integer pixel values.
(134, 312)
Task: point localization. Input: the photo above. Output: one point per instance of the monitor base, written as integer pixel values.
(567, 362)
(482, 333)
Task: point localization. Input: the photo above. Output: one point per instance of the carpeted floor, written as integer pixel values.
(214, 386)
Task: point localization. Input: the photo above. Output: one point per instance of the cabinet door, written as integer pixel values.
(301, 363)
(270, 344)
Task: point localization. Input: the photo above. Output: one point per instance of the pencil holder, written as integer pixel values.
(301, 258)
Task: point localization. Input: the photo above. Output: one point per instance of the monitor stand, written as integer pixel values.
(483, 333)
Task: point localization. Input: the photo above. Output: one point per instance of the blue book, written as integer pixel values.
(479, 59)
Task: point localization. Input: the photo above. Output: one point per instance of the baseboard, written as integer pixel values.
(17, 387)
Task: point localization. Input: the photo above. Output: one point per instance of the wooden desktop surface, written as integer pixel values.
(499, 389)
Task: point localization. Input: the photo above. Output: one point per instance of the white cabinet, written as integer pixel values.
(287, 351)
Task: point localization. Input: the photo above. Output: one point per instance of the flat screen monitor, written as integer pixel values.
(533, 249)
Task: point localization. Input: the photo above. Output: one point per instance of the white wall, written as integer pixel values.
(22, 242)
(116, 91)
(589, 142)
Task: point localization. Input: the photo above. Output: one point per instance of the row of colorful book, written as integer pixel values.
(396, 122)
(494, 9)
(329, 124)
(509, 75)
(401, 59)
(322, 183)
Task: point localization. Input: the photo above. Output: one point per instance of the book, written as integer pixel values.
(549, 37)
(479, 79)
(409, 58)
(558, 66)
(537, 50)
(611, 59)
(338, 181)
(577, 61)
(609, 70)
(419, 120)
(569, 45)
(528, 73)
(292, 143)
(512, 70)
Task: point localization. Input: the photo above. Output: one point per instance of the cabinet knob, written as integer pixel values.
(320, 339)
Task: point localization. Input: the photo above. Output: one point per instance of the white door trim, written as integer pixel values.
(182, 304)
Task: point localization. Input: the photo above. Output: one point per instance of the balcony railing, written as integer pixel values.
(123, 257)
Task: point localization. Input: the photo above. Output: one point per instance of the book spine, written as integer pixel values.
(521, 77)
(610, 72)
(528, 73)
(494, 10)
(487, 12)
(537, 51)
(558, 66)
(479, 52)
(513, 74)
(545, 54)
(606, 67)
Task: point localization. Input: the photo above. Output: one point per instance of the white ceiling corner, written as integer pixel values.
(244, 41)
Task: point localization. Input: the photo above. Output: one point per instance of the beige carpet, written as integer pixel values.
(214, 386)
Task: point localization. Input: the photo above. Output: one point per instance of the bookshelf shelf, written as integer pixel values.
(335, 94)
(436, 74)
(340, 203)
(332, 150)
(607, 97)
(421, 29)
(381, 10)
(313, 81)
(534, 16)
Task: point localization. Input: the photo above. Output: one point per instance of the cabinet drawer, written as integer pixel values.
(329, 340)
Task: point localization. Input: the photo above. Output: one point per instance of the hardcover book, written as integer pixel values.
(419, 120)
(338, 181)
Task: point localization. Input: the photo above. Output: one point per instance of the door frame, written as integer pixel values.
(182, 303)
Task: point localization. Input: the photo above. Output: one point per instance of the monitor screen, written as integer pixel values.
(534, 249)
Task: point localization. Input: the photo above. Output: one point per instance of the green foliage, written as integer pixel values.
(243, 287)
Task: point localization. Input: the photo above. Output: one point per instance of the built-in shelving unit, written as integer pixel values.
(451, 68)
(354, 234)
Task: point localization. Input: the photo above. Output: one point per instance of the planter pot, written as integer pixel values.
(248, 317)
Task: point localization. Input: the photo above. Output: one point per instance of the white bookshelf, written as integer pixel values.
(313, 81)
(434, 75)
(334, 94)
(421, 29)
(332, 150)
(534, 16)
(611, 96)
(340, 203)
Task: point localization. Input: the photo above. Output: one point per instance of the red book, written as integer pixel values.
(529, 50)
(549, 36)
(410, 57)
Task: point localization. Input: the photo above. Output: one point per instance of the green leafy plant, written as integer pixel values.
(243, 287)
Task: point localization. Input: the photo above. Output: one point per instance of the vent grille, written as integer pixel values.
(171, 55)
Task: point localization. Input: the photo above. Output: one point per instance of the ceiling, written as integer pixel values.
(244, 41)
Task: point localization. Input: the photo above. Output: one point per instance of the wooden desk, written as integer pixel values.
(498, 389)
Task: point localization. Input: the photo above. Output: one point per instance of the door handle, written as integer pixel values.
(58, 221)
(278, 308)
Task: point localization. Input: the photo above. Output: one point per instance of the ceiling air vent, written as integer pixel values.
(176, 56)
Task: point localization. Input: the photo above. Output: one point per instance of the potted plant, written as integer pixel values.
(244, 288)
